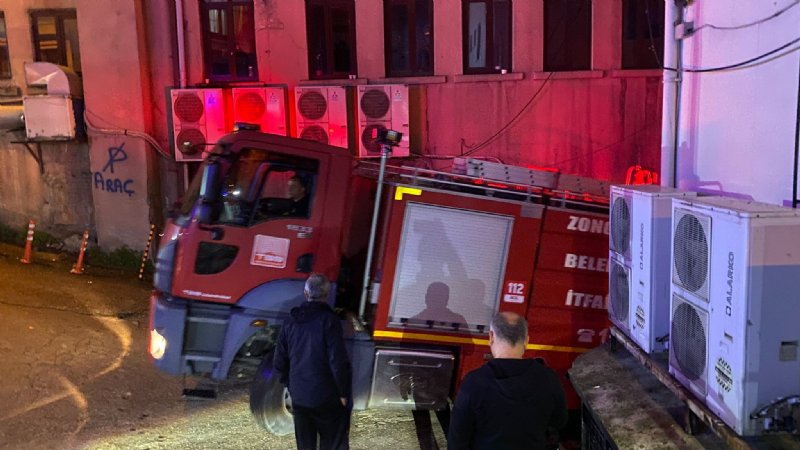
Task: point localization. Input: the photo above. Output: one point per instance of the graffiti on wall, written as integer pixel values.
(105, 180)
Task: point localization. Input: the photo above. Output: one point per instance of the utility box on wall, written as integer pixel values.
(49, 117)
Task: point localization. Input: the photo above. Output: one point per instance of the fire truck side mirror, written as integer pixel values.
(209, 192)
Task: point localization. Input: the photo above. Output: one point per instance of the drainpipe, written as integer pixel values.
(796, 143)
(671, 107)
(181, 43)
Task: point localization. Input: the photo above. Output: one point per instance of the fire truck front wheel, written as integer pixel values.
(269, 400)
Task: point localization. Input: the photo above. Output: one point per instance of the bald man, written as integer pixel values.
(509, 402)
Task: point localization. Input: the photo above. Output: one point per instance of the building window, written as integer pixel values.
(331, 28)
(229, 40)
(567, 35)
(487, 36)
(55, 37)
(642, 34)
(408, 33)
(5, 60)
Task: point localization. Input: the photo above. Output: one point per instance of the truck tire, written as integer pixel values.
(269, 400)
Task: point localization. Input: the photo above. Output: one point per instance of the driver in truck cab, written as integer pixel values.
(298, 193)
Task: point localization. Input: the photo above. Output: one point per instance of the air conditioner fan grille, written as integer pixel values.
(188, 107)
(690, 250)
(368, 141)
(620, 292)
(620, 225)
(194, 137)
(312, 105)
(375, 104)
(314, 133)
(688, 341)
(250, 107)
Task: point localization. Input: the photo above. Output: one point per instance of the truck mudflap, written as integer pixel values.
(361, 350)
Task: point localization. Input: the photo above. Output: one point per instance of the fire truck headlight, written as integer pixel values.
(158, 344)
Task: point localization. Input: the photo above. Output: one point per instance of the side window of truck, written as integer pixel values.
(263, 185)
(287, 191)
(285, 188)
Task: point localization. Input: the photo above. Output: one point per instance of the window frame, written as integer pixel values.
(569, 43)
(329, 72)
(60, 14)
(491, 58)
(242, 197)
(648, 31)
(413, 70)
(5, 55)
(228, 6)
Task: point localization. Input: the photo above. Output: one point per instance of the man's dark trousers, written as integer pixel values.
(331, 421)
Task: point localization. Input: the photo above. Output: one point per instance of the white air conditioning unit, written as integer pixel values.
(49, 117)
(264, 106)
(198, 121)
(382, 107)
(639, 240)
(322, 114)
(738, 263)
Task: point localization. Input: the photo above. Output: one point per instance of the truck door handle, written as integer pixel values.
(305, 263)
(217, 233)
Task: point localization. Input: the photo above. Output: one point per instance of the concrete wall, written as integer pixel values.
(595, 122)
(117, 93)
(738, 127)
(60, 198)
(105, 183)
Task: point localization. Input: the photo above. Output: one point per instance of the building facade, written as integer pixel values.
(569, 84)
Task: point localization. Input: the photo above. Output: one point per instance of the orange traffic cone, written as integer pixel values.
(26, 258)
(77, 269)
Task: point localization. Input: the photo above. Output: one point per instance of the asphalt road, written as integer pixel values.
(74, 373)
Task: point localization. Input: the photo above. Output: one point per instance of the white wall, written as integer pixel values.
(738, 128)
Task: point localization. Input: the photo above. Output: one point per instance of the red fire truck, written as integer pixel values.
(449, 251)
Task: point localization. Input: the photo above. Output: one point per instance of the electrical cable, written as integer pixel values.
(740, 65)
(650, 33)
(752, 62)
(511, 122)
(608, 146)
(746, 25)
(474, 148)
(125, 132)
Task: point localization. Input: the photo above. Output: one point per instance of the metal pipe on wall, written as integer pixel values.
(670, 112)
(796, 141)
(179, 31)
(11, 118)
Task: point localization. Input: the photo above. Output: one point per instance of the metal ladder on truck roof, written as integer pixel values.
(475, 176)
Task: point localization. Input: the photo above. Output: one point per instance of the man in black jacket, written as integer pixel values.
(311, 359)
(510, 402)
